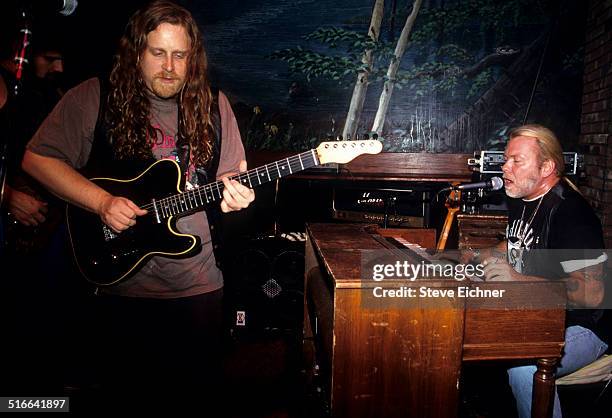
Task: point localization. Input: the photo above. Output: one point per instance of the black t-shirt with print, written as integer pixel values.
(554, 235)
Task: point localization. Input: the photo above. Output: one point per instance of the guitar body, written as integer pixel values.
(105, 257)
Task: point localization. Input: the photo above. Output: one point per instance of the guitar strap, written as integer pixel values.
(182, 149)
(208, 173)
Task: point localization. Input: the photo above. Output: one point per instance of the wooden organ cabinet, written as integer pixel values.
(395, 361)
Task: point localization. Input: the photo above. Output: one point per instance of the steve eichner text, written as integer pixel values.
(428, 292)
(410, 271)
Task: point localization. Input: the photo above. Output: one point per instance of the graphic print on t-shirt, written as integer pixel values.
(163, 142)
(164, 147)
(520, 238)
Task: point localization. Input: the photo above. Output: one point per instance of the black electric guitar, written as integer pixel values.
(106, 257)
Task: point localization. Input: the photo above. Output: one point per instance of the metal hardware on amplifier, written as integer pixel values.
(489, 162)
(379, 218)
(387, 207)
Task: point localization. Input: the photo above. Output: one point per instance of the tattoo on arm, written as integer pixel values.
(572, 284)
(497, 253)
(594, 273)
(585, 287)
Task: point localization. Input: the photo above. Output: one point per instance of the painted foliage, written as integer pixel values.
(452, 75)
(468, 70)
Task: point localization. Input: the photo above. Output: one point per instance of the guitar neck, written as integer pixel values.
(201, 196)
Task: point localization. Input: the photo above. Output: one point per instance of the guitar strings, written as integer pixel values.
(176, 200)
(171, 202)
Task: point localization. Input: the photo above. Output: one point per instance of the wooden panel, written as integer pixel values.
(424, 164)
(388, 166)
(395, 362)
(528, 323)
(318, 325)
(481, 231)
(343, 237)
(339, 250)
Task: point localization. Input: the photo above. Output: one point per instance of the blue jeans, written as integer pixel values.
(582, 347)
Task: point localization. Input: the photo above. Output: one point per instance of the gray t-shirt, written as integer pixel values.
(67, 134)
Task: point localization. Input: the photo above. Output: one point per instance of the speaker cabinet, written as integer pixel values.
(264, 289)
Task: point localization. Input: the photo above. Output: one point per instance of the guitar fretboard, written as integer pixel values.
(198, 197)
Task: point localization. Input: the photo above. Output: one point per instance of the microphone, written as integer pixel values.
(494, 183)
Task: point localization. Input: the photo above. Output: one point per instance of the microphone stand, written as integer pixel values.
(453, 202)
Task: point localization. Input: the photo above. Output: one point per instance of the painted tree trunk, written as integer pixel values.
(400, 48)
(361, 85)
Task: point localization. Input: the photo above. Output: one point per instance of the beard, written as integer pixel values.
(165, 88)
(519, 189)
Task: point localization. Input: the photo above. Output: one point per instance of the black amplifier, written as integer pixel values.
(396, 221)
(386, 207)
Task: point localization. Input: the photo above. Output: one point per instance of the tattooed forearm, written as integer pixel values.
(497, 253)
(585, 287)
(572, 284)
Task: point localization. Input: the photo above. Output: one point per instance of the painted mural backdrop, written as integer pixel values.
(453, 75)
(427, 75)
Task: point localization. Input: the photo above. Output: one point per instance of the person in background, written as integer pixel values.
(40, 89)
(30, 216)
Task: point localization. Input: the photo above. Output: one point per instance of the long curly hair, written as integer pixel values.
(128, 104)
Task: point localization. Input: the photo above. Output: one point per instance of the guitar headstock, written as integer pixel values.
(342, 152)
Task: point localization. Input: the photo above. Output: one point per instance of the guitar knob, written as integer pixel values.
(114, 258)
